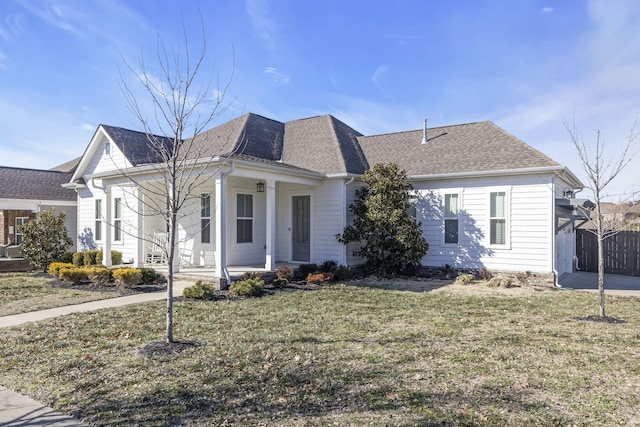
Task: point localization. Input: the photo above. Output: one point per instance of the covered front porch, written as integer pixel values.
(209, 273)
(241, 218)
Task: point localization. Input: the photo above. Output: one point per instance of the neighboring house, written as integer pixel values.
(280, 192)
(25, 192)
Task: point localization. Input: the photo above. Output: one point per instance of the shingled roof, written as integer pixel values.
(465, 148)
(323, 144)
(326, 145)
(250, 135)
(34, 184)
(136, 146)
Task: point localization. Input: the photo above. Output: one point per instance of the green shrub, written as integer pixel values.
(199, 290)
(465, 279)
(90, 257)
(99, 274)
(149, 275)
(306, 269)
(247, 287)
(54, 268)
(342, 272)
(127, 276)
(74, 275)
(327, 266)
(280, 282)
(66, 257)
(285, 272)
(78, 259)
(116, 257)
(45, 238)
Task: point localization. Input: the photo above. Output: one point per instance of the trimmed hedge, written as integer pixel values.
(95, 257)
(74, 275)
(199, 290)
(55, 267)
(127, 276)
(247, 288)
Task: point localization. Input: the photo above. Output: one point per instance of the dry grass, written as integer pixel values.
(31, 291)
(344, 355)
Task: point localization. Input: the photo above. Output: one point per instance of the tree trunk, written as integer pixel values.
(170, 258)
(601, 272)
(169, 332)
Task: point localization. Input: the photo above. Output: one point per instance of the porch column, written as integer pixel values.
(106, 247)
(221, 226)
(139, 232)
(269, 259)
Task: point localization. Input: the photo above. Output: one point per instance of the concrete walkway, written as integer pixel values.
(19, 410)
(614, 284)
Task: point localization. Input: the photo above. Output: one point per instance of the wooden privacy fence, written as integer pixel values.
(621, 252)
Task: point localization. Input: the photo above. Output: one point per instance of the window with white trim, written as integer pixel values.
(451, 221)
(498, 218)
(107, 147)
(20, 222)
(412, 206)
(117, 219)
(98, 220)
(244, 218)
(205, 218)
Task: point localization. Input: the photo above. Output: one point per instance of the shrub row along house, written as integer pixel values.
(280, 192)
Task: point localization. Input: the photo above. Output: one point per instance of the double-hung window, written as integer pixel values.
(412, 206)
(244, 218)
(451, 211)
(498, 218)
(205, 218)
(98, 220)
(117, 219)
(20, 222)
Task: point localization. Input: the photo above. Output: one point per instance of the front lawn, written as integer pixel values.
(31, 291)
(342, 355)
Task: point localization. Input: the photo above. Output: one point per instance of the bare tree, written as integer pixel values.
(600, 170)
(181, 159)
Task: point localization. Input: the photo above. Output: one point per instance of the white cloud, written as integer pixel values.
(89, 127)
(547, 9)
(54, 17)
(277, 76)
(379, 75)
(263, 21)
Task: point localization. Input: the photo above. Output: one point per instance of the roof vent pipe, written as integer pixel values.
(424, 133)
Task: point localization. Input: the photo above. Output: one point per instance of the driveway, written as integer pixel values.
(614, 284)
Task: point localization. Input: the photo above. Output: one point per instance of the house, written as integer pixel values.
(280, 192)
(25, 192)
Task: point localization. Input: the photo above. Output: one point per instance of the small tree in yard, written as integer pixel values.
(600, 171)
(391, 239)
(183, 106)
(45, 239)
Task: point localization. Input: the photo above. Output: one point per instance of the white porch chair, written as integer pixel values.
(156, 253)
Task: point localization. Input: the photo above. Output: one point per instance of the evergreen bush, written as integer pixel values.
(247, 287)
(199, 290)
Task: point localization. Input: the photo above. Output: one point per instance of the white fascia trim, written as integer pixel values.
(503, 172)
(36, 202)
(281, 169)
(216, 162)
(344, 175)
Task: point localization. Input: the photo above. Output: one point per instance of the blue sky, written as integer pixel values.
(378, 66)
